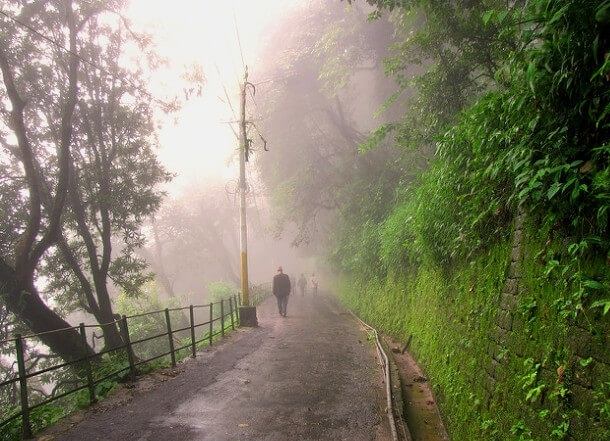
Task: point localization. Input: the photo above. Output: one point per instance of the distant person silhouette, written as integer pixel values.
(281, 290)
(302, 284)
(314, 284)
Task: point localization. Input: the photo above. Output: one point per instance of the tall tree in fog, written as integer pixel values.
(79, 168)
(444, 57)
(325, 67)
(515, 78)
(113, 184)
(445, 54)
(194, 242)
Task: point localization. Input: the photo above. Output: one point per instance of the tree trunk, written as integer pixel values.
(26, 304)
(106, 318)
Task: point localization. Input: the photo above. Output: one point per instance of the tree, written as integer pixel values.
(193, 242)
(317, 111)
(114, 182)
(39, 227)
(78, 140)
(444, 57)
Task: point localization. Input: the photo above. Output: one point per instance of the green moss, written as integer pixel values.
(492, 383)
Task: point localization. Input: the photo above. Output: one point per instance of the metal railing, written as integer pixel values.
(147, 337)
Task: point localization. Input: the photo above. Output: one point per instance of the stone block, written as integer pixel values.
(515, 256)
(579, 341)
(518, 234)
(503, 336)
(512, 288)
(505, 320)
(600, 348)
(583, 401)
(600, 373)
(579, 425)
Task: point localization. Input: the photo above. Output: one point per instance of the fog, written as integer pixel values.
(194, 239)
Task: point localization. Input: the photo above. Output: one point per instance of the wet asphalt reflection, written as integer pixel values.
(311, 375)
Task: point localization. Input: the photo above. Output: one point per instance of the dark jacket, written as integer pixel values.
(281, 285)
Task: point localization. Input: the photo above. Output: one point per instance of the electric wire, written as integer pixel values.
(228, 98)
(241, 52)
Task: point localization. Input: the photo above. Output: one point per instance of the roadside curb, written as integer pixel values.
(397, 392)
(419, 411)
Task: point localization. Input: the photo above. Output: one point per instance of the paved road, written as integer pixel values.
(309, 376)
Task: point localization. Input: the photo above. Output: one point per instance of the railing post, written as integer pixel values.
(222, 317)
(90, 385)
(237, 302)
(192, 316)
(171, 337)
(231, 309)
(130, 357)
(26, 426)
(211, 322)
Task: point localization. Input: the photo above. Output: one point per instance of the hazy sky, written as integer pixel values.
(200, 144)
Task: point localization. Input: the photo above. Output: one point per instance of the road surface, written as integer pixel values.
(312, 375)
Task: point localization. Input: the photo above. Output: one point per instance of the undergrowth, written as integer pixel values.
(525, 383)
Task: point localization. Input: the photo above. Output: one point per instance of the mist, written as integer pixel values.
(314, 99)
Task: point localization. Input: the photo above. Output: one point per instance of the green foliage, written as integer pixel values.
(444, 55)
(220, 290)
(40, 417)
(79, 168)
(105, 386)
(149, 300)
(360, 250)
(398, 240)
(147, 318)
(602, 404)
(539, 142)
(331, 56)
(564, 135)
(343, 48)
(448, 318)
(530, 135)
(12, 431)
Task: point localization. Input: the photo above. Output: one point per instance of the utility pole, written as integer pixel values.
(247, 313)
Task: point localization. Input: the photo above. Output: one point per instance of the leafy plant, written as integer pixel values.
(602, 404)
(40, 417)
(220, 290)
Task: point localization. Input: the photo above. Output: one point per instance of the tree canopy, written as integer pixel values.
(327, 68)
(80, 173)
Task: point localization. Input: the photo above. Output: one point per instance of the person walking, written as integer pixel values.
(281, 290)
(302, 284)
(314, 284)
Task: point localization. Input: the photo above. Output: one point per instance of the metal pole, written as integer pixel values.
(26, 425)
(193, 341)
(243, 139)
(170, 334)
(247, 313)
(130, 355)
(211, 323)
(90, 383)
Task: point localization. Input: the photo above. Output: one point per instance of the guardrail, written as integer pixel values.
(147, 337)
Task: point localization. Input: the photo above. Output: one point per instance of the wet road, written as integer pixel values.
(309, 376)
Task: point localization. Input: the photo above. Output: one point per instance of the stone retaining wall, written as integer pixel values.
(587, 375)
